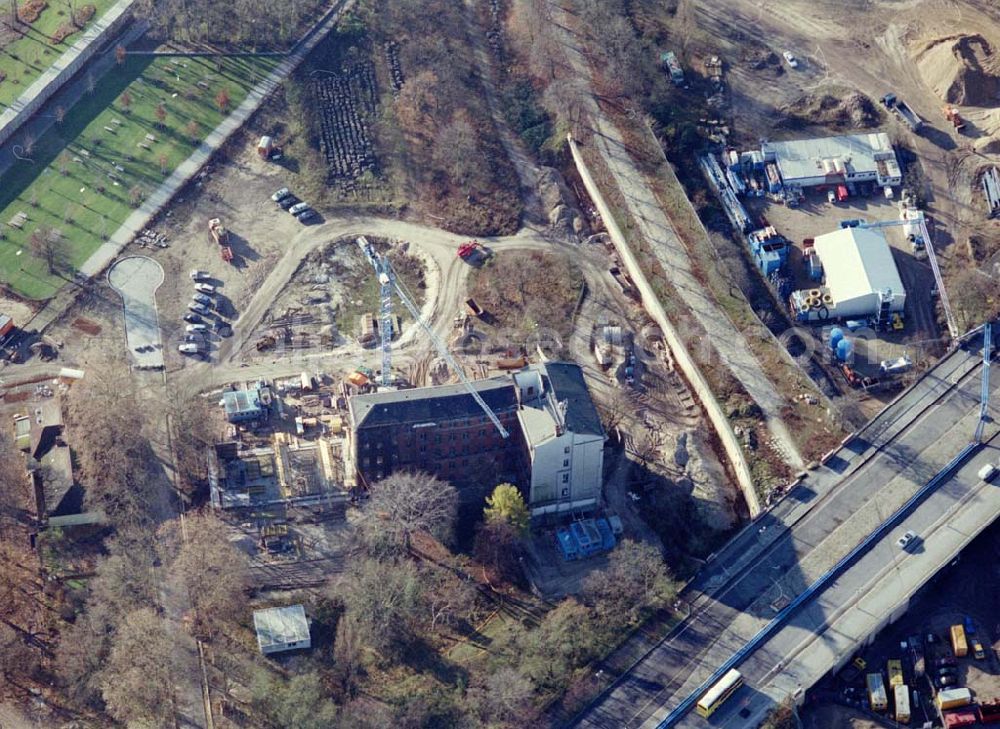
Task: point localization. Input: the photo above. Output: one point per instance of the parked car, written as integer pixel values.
(202, 299)
(198, 308)
(904, 541)
(188, 348)
(204, 288)
(289, 202)
(987, 472)
(298, 208)
(945, 681)
(198, 275)
(831, 197)
(281, 194)
(194, 337)
(977, 649)
(196, 328)
(948, 671)
(192, 318)
(306, 215)
(791, 59)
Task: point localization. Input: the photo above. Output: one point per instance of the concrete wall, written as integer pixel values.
(65, 67)
(654, 308)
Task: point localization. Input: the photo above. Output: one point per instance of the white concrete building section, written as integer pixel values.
(281, 629)
(860, 279)
(835, 160)
(564, 439)
(136, 279)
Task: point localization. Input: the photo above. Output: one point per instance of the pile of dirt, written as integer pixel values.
(962, 69)
(850, 111)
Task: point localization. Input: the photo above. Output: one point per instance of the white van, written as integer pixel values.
(987, 472)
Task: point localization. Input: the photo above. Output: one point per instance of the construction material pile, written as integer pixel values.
(962, 69)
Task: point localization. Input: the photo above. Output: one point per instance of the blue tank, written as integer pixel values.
(836, 335)
(845, 348)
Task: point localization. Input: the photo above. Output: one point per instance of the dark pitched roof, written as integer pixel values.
(565, 381)
(430, 404)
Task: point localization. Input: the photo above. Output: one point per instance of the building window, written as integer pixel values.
(565, 463)
(566, 449)
(565, 478)
(565, 493)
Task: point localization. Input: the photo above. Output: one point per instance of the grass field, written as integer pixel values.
(85, 171)
(24, 60)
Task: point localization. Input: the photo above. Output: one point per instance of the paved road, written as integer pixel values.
(785, 550)
(136, 279)
(733, 350)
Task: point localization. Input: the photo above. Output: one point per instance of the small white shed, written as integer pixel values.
(281, 629)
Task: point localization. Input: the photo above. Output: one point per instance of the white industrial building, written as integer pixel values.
(827, 161)
(861, 279)
(281, 629)
(564, 439)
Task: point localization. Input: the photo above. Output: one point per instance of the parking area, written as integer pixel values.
(965, 593)
(136, 279)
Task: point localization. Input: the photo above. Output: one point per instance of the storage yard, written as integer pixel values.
(945, 653)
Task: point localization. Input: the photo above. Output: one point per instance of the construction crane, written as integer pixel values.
(389, 284)
(984, 397)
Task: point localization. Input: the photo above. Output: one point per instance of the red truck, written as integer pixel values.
(989, 712)
(962, 717)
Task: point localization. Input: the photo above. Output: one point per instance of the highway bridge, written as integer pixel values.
(832, 512)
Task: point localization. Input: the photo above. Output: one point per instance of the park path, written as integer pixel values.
(159, 198)
(729, 342)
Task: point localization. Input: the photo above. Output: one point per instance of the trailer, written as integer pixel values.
(670, 62)
(989, 712)
(958, 643)
(473, 308)
(876, 692)
(963, 717)
(901, 702)
(953, 698)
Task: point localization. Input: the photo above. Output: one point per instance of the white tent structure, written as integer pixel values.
(862, 280)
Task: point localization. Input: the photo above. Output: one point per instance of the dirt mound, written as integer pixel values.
(988, 145)
(850, 111)
(962, 69)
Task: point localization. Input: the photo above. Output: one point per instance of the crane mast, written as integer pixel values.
(388, 284)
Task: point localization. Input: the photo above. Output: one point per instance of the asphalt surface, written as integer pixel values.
(779, 555)
(136, 279)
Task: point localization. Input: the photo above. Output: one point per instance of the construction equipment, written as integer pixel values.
(474, 252)
(219, 233)
(389, 282)
(266, 342)
(903, 111)
(952, 115)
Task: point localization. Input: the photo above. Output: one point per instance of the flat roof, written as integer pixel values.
(241, 401)
(430, 404)
(279, 626)
(565, 381)
(857, 262)
(802, 158)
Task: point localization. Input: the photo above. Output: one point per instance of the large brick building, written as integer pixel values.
(554, 452)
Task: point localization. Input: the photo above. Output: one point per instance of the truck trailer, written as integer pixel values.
(953, 698)
(901, 701)
(876, 692)
(958, 643)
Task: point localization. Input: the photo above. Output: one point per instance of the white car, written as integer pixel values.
(188, 348)
(296, 209)
(195, 328)
(904, 541)
(987, 472)
(204, 288)
(792, 60)
(281, 194)
(197, 275)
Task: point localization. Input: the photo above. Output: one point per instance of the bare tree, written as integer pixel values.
(505, 697)
(209, 566)
(497, 547)
(49, 246)
(135, 682)
(405, 503)
(384, 602)
(448, 599)
(457, 152)
(636, 579)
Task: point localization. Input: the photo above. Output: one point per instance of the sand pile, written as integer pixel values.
(962, 69)
(850, 111)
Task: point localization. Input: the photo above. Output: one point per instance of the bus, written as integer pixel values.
(895, 667)
(901, 700)
(717, 695)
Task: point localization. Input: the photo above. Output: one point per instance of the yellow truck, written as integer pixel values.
(958, 644)
(876, 692)
(901, 699)
(953, 698)
(895, 667)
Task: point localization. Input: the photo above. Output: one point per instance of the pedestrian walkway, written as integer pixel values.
(152, 205)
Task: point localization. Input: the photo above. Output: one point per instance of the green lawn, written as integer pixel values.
(25, 59)
(83, 170)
